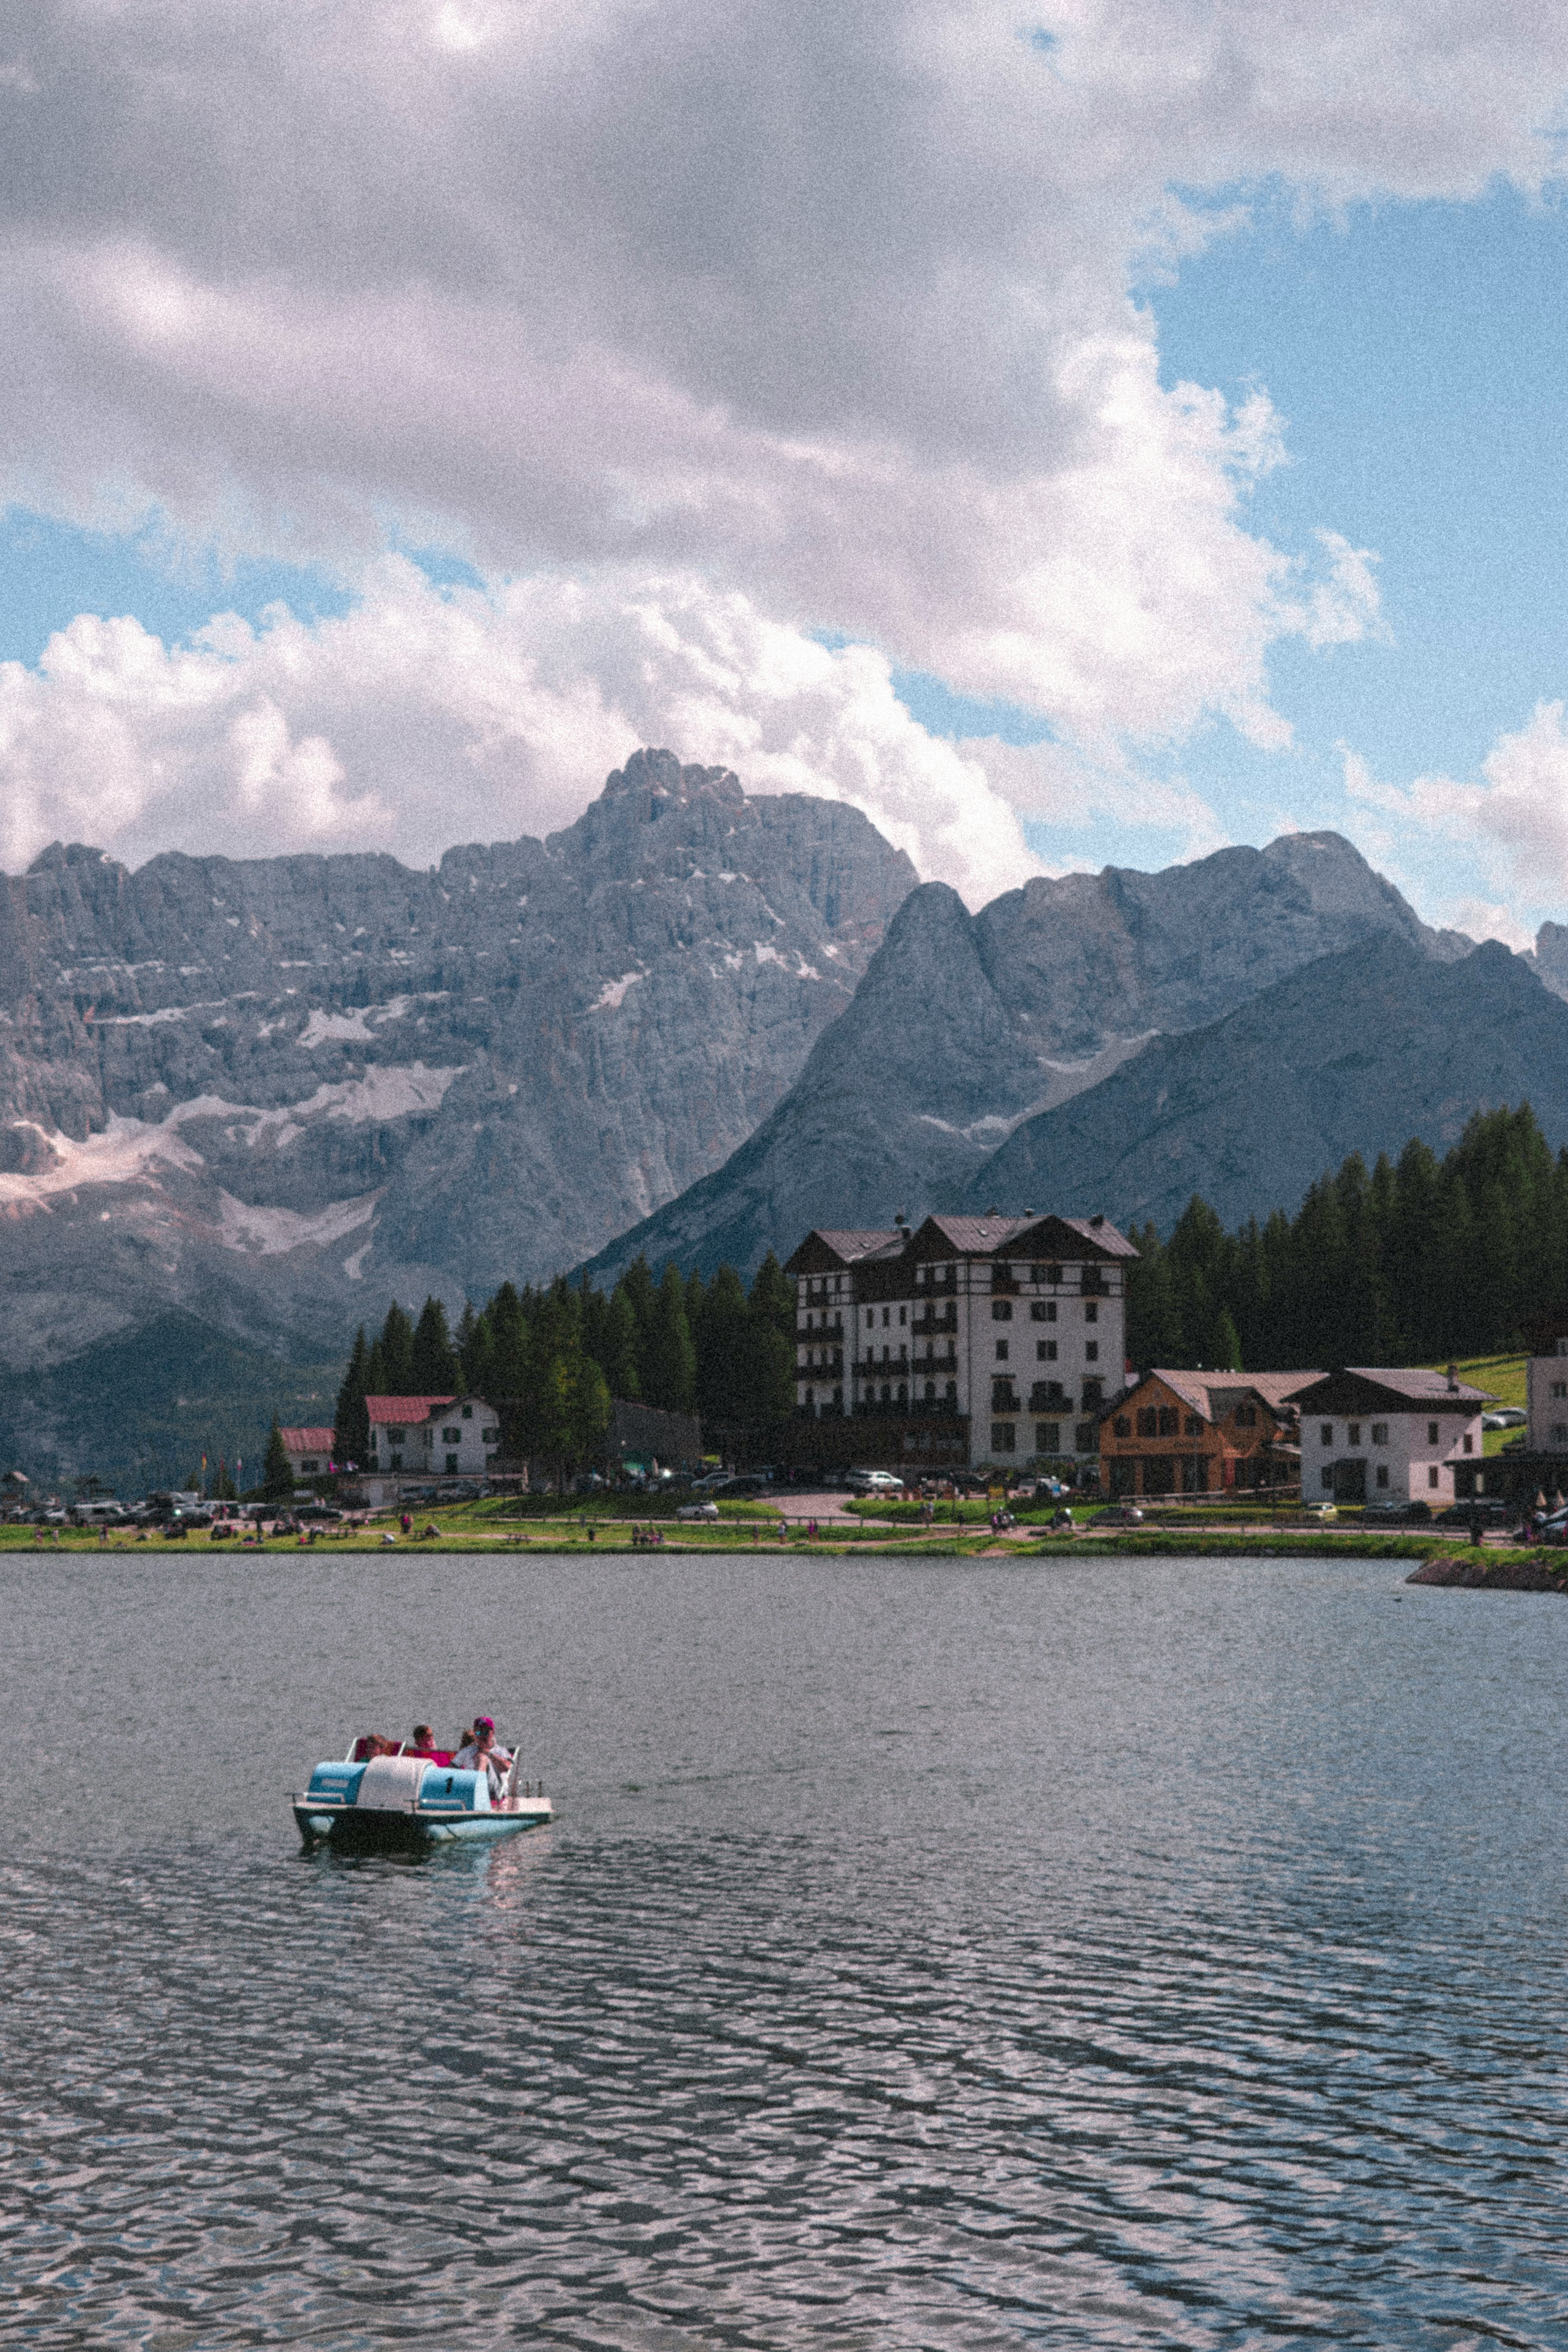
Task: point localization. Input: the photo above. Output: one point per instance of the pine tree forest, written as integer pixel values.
(552, 1359)
(1420, 1261)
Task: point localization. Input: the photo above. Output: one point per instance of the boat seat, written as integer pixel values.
(391, 1784)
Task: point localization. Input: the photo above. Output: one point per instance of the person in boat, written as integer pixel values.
(371, 1743)
(424, 1744)
(480, 1753)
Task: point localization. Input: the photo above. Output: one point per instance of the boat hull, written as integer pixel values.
(349, 1825)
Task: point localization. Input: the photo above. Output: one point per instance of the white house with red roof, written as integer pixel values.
(430, 1438)
(310, 1451)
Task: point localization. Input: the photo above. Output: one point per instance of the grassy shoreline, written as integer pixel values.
(576, 1532)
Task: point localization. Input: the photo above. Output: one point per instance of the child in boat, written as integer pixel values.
(424, 1744)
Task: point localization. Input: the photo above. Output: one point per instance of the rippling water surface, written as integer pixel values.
(937, 1954)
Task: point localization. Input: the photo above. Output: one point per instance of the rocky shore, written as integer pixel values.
(1474, 1571)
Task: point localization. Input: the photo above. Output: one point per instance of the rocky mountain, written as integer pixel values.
(1358, 1052)
(966, 1026)
(270, 1095)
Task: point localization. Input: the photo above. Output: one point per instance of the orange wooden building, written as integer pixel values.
(1201, 1433)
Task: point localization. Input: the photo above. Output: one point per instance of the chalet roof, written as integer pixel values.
(400, 1412)
(977, 1236)
(1097, 1236)
(1215, 1394)
(841, 1246)
(1030, 1236)
(308, 1441)
(1408, 1388)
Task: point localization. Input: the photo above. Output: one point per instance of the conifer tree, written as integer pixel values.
(398, 1353)
(350, 1424)
(770, 1312)
(726, 1382)
(277, 1477)
(509, 1342)
(433, 1363)
(619, 1359)
(669, 1360)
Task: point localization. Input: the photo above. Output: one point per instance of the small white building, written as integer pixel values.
(1372, 1433)
(311, 1450)
(430, 1437)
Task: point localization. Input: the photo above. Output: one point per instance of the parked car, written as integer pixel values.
(705, 1510)
(1506, 1416)
(1323, 1511)
(1491, 1514)
(1124, 1515)
(1392, 1512)
(875, 1482)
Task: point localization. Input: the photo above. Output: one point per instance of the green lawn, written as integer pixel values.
(1501, 1377)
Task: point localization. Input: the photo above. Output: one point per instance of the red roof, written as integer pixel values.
(308, 1441)
(402, 1410)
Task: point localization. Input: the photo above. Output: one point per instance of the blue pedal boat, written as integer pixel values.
(406, 1800)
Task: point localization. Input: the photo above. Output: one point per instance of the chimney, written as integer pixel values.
(1453, 1379)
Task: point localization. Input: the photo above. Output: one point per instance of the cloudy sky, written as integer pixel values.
(1073, 433)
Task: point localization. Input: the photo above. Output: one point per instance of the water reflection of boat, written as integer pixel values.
(408, 1801)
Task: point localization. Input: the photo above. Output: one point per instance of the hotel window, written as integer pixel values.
(1432, 1476)
(468, 1413)
(1560, 1389)
(1004, 1437)
(1001, 1310)
(1326, 1433)
(1122, 1426)
(1092, 1313)
(1380, 1432)
(1431, 1432)
(1045, 1351)
(1091, 1351)
(1044, 1310)
(1048, 1437)
(1560, 1432)
(1169, 1417)
(1469, 1443)
(1001, 1351)
(903, 1315)
(887, 1313)
(1194, 1426)
(1352, 1433)
(1148, 1422)
(1054, 1276)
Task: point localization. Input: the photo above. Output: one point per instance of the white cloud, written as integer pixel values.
(1512, 820)
(422, 718)
(813, 316)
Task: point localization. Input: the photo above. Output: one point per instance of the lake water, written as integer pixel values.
(929, 1954)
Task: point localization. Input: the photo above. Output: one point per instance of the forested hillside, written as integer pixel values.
(552, 1359)
(1419, 1260)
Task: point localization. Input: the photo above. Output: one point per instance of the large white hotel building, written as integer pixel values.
(993, 1338)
